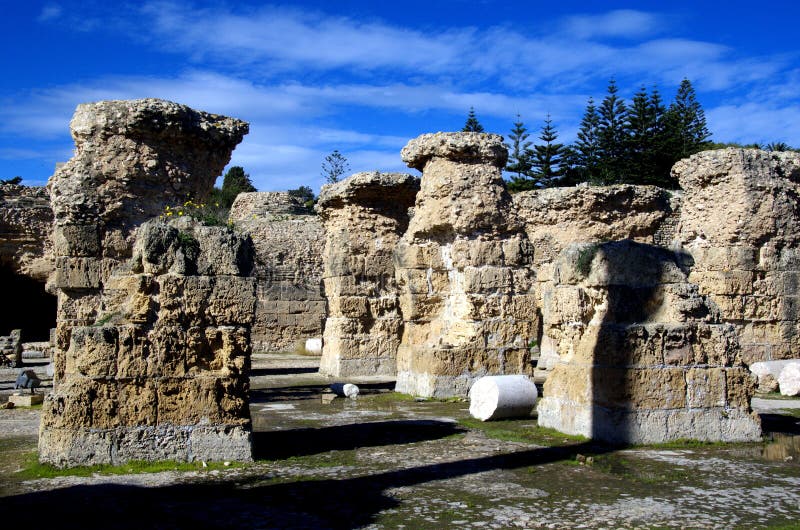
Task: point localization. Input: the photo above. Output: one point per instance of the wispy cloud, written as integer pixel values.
(619, 23)
(50, 12)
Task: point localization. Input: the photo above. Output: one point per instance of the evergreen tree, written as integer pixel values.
(305, 194)
(647, 163)
(234, 182)
(687, 132)
(334, 166)
(548, 156)
(472, 124)
(612, 138)
(584, 156)
(519, 159)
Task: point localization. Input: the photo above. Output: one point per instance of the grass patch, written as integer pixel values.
(778, 396)
(32, 469)
(386, 398)
(795, 413)
(525, 431)
(683, 443)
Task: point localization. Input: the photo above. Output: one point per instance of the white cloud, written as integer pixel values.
(49, 12)
(618, 23)
(755, 122)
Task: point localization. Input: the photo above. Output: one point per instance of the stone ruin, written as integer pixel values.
(288, 241)
(364, 217)
(152, 340)
(640, 308)
(463, 270)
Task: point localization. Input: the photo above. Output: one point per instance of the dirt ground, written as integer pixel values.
(386, 460)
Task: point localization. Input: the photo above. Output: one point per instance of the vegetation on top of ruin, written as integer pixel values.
(472, 124)
(334, 167)
(617, 143)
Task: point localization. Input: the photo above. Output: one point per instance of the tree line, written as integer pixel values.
(617, 142)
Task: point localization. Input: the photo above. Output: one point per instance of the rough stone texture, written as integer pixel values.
(288, 241)
(162, 374)
(364, 217)
(642, 355)
(740, 222)
(26, 221)
(789, 379)
(463, 270)
(11, 348)
(132, 158)
(557, 217)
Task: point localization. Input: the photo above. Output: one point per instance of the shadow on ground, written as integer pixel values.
(252, 502)
(277, 445)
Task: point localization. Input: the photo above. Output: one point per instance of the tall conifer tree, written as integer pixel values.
(472, 124)
(584, 156)
(686, 123)
(612, 136)
(519, 157)
(547, 157)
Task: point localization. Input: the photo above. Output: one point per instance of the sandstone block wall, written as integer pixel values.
(642, 355)
(289, 241)
(26, 221)
(132, 158)
(162, 374)
(464, 270)
(740, 222)
(364, 217)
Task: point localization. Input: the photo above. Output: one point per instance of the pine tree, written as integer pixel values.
(547, 157)
(612, 137)
(234, 182)
(645, 143)
(687, 132)
(472, 124)
(519, 159)
(334, 166)
(584, 156)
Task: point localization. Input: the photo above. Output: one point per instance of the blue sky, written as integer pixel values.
(364, 77)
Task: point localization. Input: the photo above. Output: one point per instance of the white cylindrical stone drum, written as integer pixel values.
(314, 345)
(502, 396)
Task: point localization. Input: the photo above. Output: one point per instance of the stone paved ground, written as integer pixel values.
(385, 461)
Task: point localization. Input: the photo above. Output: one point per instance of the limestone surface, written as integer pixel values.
(26, 221)
(162, 374)
(789, 379)
(132, 159)
(740, 222)
(288, 241)
(642, 354)
(463, 270)
(364, 217)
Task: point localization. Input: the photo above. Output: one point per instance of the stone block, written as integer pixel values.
(705, 388)
(93, 352)
(25, 400)
(76, 240)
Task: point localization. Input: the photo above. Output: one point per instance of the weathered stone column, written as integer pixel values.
(463, 269)
(741, 224)
(163, 373)
(643, 357)
(364, 217)
(132, 159)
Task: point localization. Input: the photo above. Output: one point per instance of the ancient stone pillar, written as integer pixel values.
(163, 372)
(132, 158)
(643, 357)
(463, 270)
(364, 217)
(740, 222)
(288, 240)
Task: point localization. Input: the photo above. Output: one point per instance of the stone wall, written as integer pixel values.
(740, 222)
(289, 240)
(364, 217)
(642, 355)
(163, 372)
(26, 221)
(464, 270)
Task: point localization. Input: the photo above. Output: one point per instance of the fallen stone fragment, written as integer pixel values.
(502, 396)
(345, 390)
(789, 379)
(314, 345)
(767, 373)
